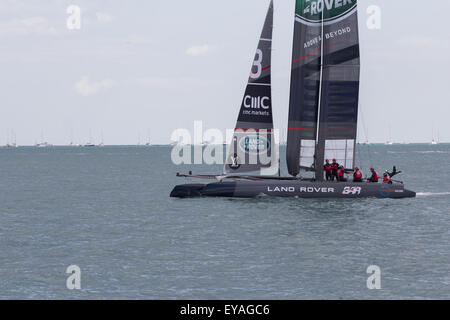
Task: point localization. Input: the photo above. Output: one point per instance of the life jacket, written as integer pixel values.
(357, 175)
(327, 167)
(335, 166)
(374, 177)
(340, 174)
(386, 179)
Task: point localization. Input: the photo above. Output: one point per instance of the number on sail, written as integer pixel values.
(257, 64)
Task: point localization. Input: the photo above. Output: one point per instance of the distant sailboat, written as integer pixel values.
(89, 143)
(433, 140)
(148, 139)
(43, 143)
(389, 142)
(72, 143)
(101, 144)
(12, 143)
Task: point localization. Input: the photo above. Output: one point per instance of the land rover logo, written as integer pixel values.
(254, 144)
(311, 10)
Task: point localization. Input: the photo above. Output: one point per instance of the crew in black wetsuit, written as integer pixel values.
(357, 175)
(335, 168)
(328, 170)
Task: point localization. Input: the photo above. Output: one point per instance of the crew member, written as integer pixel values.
(334, 170)
(357, 175)
(341, 174)
(386, 178)
(328, 170)
(374, 177)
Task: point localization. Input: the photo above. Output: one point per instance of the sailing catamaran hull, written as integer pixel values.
(295, 188)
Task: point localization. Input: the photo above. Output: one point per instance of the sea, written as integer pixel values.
(107, 211)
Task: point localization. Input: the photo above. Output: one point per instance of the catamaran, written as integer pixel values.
(323, 113)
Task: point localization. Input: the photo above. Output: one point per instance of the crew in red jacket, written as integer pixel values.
(335, 168)
(328, 170)
(341, 174)
(386, 178)
(357, 175)
(374, 177)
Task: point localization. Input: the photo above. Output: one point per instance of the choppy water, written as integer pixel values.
(107, 210)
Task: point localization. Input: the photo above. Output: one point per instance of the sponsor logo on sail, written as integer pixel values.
(312, 10)
(255, 144)
(256, 102)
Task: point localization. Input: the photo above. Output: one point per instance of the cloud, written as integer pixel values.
(27, 26)
(85, 87)
(202, 50)
(104, 17)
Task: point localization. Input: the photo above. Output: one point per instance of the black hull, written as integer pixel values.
(293, 188)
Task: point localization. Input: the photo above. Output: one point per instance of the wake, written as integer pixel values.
(429, 194)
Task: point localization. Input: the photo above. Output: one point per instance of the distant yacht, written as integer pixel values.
(12, 143)
(389, 142)
(148, 139)
(433, 140)
(101, 144)
(43, 144)
(89, 143)
(73, 144)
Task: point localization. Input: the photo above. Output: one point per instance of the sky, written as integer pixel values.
(138, 70)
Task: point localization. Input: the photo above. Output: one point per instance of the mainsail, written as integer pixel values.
(253, 147)
(323, 107)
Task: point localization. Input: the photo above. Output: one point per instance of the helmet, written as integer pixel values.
(372, 168)
(327, 160)
(334, 159)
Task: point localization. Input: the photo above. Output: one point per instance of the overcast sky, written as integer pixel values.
(139, 67)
